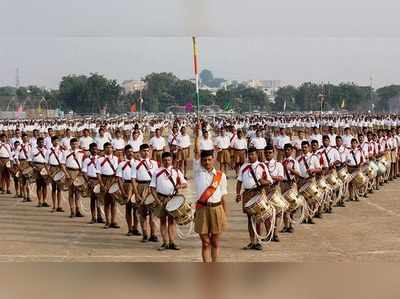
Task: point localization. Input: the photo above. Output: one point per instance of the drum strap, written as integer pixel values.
(24, 150)
(169, 176)
(354, 157)
(40, 153)
(143, 162)
(285, 164)
(55, 155)
(109, 162)
(210, 190)
(253, 174)
(327, 158)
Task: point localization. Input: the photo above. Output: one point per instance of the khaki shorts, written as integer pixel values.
(210, 220)
(224, 156)
(184, 154)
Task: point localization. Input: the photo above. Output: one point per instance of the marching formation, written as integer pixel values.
(288, 169)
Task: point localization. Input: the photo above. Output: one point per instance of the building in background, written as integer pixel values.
(131, 86)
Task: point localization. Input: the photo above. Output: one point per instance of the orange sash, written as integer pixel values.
(205, 196)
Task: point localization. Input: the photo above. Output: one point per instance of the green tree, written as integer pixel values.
(385, 94)
(285, 94)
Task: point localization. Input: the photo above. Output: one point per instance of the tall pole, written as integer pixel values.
(196, 73)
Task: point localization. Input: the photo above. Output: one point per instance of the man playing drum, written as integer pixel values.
(124, 172)
(211, 191)
(164, 185)
(354, 162)
(89, 170)
(23, 153)
(54, 157)
(106, 174)
(71, 164)
(38, 162)
(5, 155)
(142, 172)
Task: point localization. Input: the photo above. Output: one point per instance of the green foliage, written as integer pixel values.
(385, 94)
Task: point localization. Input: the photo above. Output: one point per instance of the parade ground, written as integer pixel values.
(365, 231)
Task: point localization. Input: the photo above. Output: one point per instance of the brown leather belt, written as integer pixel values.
(210, 204)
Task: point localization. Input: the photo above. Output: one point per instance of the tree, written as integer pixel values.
(385, 94)
(206, 77)
(286, 95)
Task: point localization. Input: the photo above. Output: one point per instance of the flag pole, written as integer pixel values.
(196, 73)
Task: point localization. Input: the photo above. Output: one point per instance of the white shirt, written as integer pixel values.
(135, 144)
(89, 166)
(183, 141)
(240, 144)
(118, 143)
(139, 171)
(33, 142)
(100, 142)
(71, 162)
(206, 144)
(332, 153)
(65, 143)
(343, 152)
(107, 165)
(260, 171)
(23, 151)
(47, 142)
(38, 155)
(259, 143)
(157, 143)
(51, 156)
(162, 183)
(222, 142)
(281, 140)
(5, 150)
(347, 140)
(84, 142)
(203, 179)
(290, 163)
(275, 168)
(312, 161)
(124, 169)
(354, 158)
(317, 137)
(173, 139)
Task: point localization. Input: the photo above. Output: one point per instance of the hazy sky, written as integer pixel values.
(293, 41)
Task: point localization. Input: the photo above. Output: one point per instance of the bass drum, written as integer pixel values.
(116, 193)
(178, 208)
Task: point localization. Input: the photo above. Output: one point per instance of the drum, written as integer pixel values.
(80, 184)
(150, 203)
(381, 168)
(8, 164)
(323, 185)
(279, 202)
(359, 180)
(59, 179)
(310, 191)
(178, 208)
(372, 170)
(292, 197)
(259, 207)
(29, 175)
(344, 175)
(44, 173)
(333, 180)
(116, 193)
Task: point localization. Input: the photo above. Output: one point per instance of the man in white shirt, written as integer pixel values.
(211, 191)
(71, 164)
(106, 174)
(89, 170)
(142, 172)
(33, 139)
(65, 141)
(101, 139)
(53, 157)
(259, 143)
(23, 153)
(281, 140)
(354, 162)
(347, 137)
(124, 172)
(165, 184)
(157, 145)
(47, 141)
(222, 144)
(240, 147)
(38, 162)
(183, 150)
(253, 177)
(85, 140)
(135, 142)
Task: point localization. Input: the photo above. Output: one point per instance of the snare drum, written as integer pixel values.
(29, 175)
(116, 193)
(80, 184)
(310, 191)
(259, 207)
(178, 208)
(279, 202)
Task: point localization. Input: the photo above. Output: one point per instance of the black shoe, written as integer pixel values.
(290, 230)
(319, 216)
(153, 239)
(329, 211)
(136, 232)
(310, 221)
(284, 230)
(129, 233)
(39, 205)
(93, 221)
(24, 200)
(61, 210)
(145, 239)
(72, 215)
(257, 246)
(275, 239)
(172, 246)
(79, 214)
(28, 200)
(248, 246)
(163, 247)
(8, 192)
(114, 225)
(100, 220)
(106, 226)
(45, 205)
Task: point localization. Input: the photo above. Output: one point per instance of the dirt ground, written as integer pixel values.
(363, 231)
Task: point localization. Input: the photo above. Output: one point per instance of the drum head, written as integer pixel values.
(114, 188)
(43, 171)
(27, 170)
(79, 181)
(96, 189)
(174, 203)
(252, 201)
(59, 176)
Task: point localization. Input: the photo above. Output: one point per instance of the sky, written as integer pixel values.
(293, 41)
